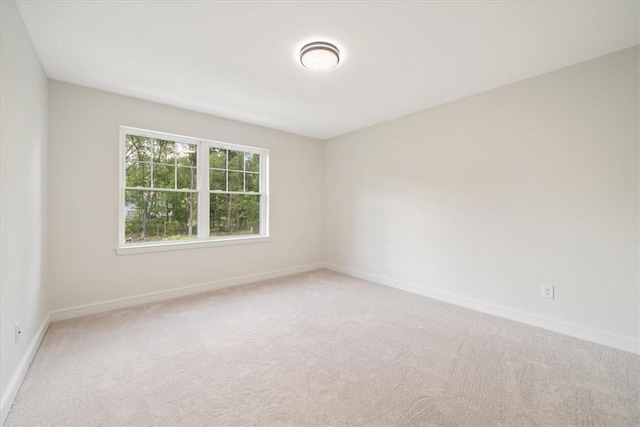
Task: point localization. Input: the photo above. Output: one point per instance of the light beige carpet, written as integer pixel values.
(320, 349)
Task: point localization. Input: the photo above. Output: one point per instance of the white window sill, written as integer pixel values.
(138, 248)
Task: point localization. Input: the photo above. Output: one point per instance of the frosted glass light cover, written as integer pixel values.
(319, 56)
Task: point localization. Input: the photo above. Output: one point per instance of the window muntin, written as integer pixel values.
(234, 202)
(181, 189)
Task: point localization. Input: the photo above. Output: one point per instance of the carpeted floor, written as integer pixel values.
(320, 349)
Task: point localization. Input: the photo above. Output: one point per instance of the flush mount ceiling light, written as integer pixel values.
(319, 56)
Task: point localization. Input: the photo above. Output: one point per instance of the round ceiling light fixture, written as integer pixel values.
(319, 56)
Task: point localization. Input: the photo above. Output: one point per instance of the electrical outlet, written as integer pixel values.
(213, 264)
(548, 291)
(359, 255)
(18, 332)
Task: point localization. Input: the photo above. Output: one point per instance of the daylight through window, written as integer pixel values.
(180, 189)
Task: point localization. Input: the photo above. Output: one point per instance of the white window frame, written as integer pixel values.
(203, 239)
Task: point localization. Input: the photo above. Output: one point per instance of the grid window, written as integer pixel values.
(177, 189)
(235, 192)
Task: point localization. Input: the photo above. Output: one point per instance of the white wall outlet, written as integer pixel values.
(359, 255)
(548, 291)
(18, 332)
(213, 264)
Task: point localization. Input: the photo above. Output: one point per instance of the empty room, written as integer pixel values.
(312, 213)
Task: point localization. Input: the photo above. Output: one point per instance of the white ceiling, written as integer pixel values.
(239, 59)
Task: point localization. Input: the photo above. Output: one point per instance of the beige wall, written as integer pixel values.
(23, 146)
(83, 135)
(488, 197)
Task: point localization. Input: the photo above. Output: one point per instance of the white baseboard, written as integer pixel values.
(605, 338)
(16, 381)
(84, 310)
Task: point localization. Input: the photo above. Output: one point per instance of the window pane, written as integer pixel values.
(217, 180)
(236, 181)
(186, 154)
(252, 162)
(164, 151)
(234, 214)
(138, 149)
(138, 175)
(163, 176)
(187, 178)
(160, 215)
(236, 160)
(218, 158)
(252, 182)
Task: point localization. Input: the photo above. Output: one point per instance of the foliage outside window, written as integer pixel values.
(182, 189)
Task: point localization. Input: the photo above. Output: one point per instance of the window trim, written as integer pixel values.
(203, 239)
